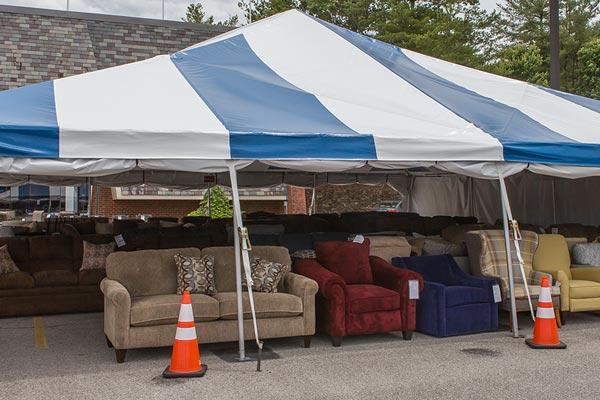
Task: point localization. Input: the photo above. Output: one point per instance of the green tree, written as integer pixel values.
(522, 62)
(220, 207)
(195, 14)
(588, 80)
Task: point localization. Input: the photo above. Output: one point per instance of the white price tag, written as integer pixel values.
(413, 289)
(358, 239)
(120, 241)
(554, 231)
(497, 295)
(557, 284)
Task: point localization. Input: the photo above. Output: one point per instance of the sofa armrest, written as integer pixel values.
(482, 283)
(117, 312)
(396, 279)
(306, 289)
(586, 274)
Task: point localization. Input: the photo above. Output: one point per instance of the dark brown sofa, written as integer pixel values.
(49, 281)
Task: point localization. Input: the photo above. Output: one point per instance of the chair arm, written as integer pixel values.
(326, 280)
(479, 282)
(396, 279)
(391, 277)
(433, 291)
(331, 297)
(535, 277)
(586, 274)
(117, 312)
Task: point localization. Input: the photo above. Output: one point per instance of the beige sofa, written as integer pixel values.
(141, 307)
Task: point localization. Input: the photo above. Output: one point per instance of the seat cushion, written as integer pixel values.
(16, 280)
(91, 276)
(349, 260)
(268, 305)
(371, 298)
(163, 309)
(584, 289)
(55, 278)
(461, 295)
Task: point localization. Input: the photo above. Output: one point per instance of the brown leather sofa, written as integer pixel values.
(49, 281)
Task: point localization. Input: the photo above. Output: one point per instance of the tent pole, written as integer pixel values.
(238, 268)
(553, 202)
(242, 248)
(511, 281)
(89, 196)
(313, 200)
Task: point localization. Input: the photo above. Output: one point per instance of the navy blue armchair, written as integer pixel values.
(452, 302)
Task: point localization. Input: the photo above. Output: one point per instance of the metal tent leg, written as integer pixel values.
(511, 281)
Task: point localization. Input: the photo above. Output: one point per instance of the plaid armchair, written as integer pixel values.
(487, 253)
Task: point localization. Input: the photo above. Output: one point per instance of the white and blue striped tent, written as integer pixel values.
(293, 91)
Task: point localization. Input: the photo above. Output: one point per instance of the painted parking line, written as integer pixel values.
(40, 335)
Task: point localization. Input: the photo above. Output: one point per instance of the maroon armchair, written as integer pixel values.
(364, 294)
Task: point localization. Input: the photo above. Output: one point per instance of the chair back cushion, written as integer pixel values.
(552, 254)
(349, 260)
(225, 263)
(487, 252)
(147, 272)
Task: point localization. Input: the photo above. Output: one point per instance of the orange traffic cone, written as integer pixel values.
(185, 361)
(545, 331)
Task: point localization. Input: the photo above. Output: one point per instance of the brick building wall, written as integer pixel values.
(296, 202)
(167, 208)
(346, 198)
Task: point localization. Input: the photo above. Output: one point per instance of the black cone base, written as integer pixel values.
(530, 343)
(171, 375)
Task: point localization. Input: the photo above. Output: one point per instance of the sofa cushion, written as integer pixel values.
(370, 298)
(587, 254)
(164, 309)
(460, 295)
(181, 238)
(7, 265)
(350, 260)
(91, 276)
(52, 252)
(266, 274)
(19, 251)
(94, 255)
(103, 228)
(55, 278)
(147, 272)
(296, 241)
(268, 305)
(16, 280)
(225, 263)
(195, 274)
(300, 254)
(436, 247)
(388, 247)
(584, 289)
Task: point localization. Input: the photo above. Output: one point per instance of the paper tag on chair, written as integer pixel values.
(497, 295)
(557, 284)
(358, 239)
(120, 241)
(413, 289)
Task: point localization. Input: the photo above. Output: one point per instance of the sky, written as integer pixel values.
(174, 9)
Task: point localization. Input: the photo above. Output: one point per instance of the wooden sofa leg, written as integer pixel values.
(407, 335)
(336, 341)
(120, 354)
(307, 340)
(108, 342)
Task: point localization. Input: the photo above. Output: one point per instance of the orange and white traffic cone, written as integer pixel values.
(545, 331)
(185, 360)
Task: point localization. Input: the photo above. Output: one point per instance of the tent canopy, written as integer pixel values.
(296, 89)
